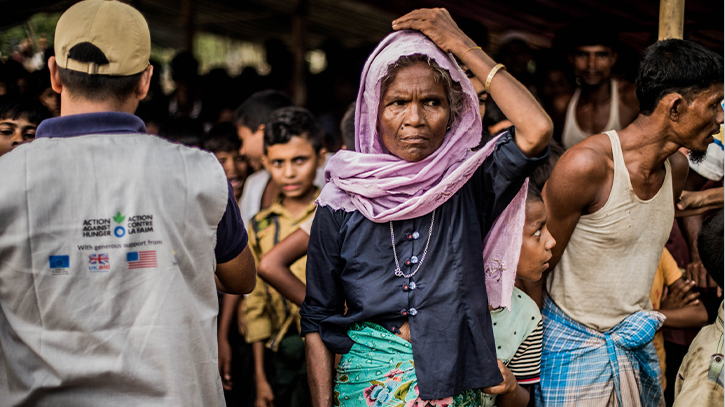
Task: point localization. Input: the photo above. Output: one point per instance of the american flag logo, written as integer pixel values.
(141, 260)
(101, 258)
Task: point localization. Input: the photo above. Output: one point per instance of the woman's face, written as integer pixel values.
(413, 113)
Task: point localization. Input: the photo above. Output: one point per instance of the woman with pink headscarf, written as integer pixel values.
(418, 230)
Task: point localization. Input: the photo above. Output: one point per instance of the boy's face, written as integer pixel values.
(252, 145)
(235, 167)
(14, 132)
(536, 245)
(293, 166)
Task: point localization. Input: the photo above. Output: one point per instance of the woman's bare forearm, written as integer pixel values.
(319, 370)
(533, 126)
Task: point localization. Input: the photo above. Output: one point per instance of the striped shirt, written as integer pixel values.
(526, 363)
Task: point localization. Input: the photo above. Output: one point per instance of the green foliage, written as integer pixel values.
(40, 25)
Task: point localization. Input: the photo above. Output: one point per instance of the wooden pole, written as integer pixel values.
(672, 19)
(299, 32)
(187, 24)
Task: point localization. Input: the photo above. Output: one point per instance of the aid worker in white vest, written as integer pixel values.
(111, 239)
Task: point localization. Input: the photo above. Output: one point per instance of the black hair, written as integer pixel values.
(676, 66)
(183, 130)
(96, 88)
(533, 194)
(588, 31)
(542, 173)
(289, 122)
(710, 246)
(15, 107)
(222, 138)
(184, 67)
(347, 127)
(256, 110)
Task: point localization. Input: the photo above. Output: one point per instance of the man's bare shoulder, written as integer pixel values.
(590, 159)
(580, 178)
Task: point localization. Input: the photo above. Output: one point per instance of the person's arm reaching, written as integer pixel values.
(680, 306)
(698, 202)
(319, 370)
(230, 303)
(237, 276)
(510, 393)
(533, 126)
(275, 266)
(264, 395)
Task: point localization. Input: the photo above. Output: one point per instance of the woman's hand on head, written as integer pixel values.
(437, 25)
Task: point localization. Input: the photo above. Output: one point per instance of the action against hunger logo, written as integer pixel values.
(132, 225)
(119, 231)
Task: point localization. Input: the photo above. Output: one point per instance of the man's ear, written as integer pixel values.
(260, 129)
(55, 82)
(321, 155)
(145, 83)
(265, 162)
(676, 106)
(615, 57)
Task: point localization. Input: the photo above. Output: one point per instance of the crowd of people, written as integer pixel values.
(467, 232)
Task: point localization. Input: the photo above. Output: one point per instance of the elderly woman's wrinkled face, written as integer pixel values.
(413, 115)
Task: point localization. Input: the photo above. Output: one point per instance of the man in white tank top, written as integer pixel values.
(610, 201)
(600, 102)
(113, 243)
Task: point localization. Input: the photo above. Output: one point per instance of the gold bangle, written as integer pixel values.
(464, 52)
(487, 85)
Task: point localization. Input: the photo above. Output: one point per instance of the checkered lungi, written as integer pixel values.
(581, 366)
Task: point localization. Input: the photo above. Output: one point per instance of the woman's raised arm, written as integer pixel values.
(533, 126)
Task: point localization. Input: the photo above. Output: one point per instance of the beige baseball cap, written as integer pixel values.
(117, 29)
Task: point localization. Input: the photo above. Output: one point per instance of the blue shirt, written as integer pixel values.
(231, 234)
(350, 262)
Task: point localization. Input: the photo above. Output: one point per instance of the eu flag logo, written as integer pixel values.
(58, 262)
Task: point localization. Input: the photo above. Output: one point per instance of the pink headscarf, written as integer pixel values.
(385, 188)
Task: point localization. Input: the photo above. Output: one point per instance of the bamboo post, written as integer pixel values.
(299, 31)
(187, 24)
(672, 19)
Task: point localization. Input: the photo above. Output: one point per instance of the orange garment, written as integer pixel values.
(667, 273)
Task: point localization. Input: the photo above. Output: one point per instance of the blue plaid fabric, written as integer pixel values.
(582, 366)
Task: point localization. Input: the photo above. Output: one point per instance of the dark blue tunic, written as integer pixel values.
(350, 260)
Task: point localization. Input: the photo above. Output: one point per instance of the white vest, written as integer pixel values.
(107, 293)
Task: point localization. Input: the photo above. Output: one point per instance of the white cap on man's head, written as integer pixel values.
(115, 28)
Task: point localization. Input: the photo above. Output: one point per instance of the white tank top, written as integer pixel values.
(107, 262)
(607, 269)
(572, 133)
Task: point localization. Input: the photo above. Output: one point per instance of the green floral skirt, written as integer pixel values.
(379, 372)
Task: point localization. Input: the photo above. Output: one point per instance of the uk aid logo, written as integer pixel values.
(99, 263)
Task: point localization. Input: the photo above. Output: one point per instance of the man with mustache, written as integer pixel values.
(600, 102)
(610, 202)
